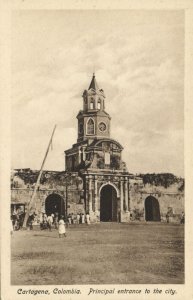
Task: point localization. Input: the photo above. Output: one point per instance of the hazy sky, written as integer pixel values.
(138, 61)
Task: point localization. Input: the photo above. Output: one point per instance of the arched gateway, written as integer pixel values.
(152, 210)
(108, 204)
(54, 203)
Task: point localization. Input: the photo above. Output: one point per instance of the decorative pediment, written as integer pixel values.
(107, 144)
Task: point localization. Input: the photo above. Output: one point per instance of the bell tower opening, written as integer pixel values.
(108, 204)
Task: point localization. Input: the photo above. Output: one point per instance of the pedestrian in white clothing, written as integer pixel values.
(50, 221)
(87, 218)
(61, 228)
(78, 218)
(83, 218)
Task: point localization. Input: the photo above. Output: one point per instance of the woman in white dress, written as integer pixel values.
(61, 228)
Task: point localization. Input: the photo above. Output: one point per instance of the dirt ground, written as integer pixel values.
(105, 253)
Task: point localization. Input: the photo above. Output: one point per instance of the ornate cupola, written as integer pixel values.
(93, 121)
(93, 97)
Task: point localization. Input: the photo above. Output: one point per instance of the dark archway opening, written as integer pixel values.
(152, 210)
(108, 204)
(54, 204)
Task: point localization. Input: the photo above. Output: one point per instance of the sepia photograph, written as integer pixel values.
(97, 148)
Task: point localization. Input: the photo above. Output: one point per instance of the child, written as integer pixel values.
(61, 228)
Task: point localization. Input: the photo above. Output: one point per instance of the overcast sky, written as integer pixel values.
(137, 57)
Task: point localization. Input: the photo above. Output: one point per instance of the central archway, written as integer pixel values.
(108, 204)
(152, 210)
(54, 204)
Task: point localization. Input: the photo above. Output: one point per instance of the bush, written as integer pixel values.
(162, 179)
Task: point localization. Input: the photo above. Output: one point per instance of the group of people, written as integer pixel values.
(58, 221)
(182, 218)
(80, 218)
(17, 219)
(47, 222)
(52, 220)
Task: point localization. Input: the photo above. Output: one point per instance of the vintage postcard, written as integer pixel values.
(96, 150)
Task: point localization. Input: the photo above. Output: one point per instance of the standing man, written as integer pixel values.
(83, 218)
(78, 218)
(87, 218)
(167, 217)
(50, 221)
(182, 221)
(56, 220)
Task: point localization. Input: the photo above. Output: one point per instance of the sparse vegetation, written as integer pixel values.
(105, 253)
(162, 179)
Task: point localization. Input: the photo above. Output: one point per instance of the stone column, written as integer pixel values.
(83, 154)
(96, 194)
(79, 156)
(90, 194)
(126, 194)
(86, 194)
(121, 194)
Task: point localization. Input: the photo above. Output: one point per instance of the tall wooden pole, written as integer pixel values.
(30, 204)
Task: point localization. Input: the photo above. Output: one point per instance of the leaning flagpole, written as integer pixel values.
(30, 204)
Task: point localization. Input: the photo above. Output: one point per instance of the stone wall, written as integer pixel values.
(170, 199)
(71, 190)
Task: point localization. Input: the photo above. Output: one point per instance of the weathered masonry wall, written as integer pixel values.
(80, 195)
(22, 196)
(52, 183)
(170, 199)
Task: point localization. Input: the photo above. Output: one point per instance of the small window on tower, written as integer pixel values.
(92, 104)
(90, 126)
(99, 104)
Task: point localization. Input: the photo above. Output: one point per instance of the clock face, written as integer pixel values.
(102, 126)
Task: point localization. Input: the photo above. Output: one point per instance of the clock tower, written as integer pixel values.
(97, 159)
(93, 120)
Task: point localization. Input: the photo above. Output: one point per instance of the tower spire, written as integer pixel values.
(93, 85)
